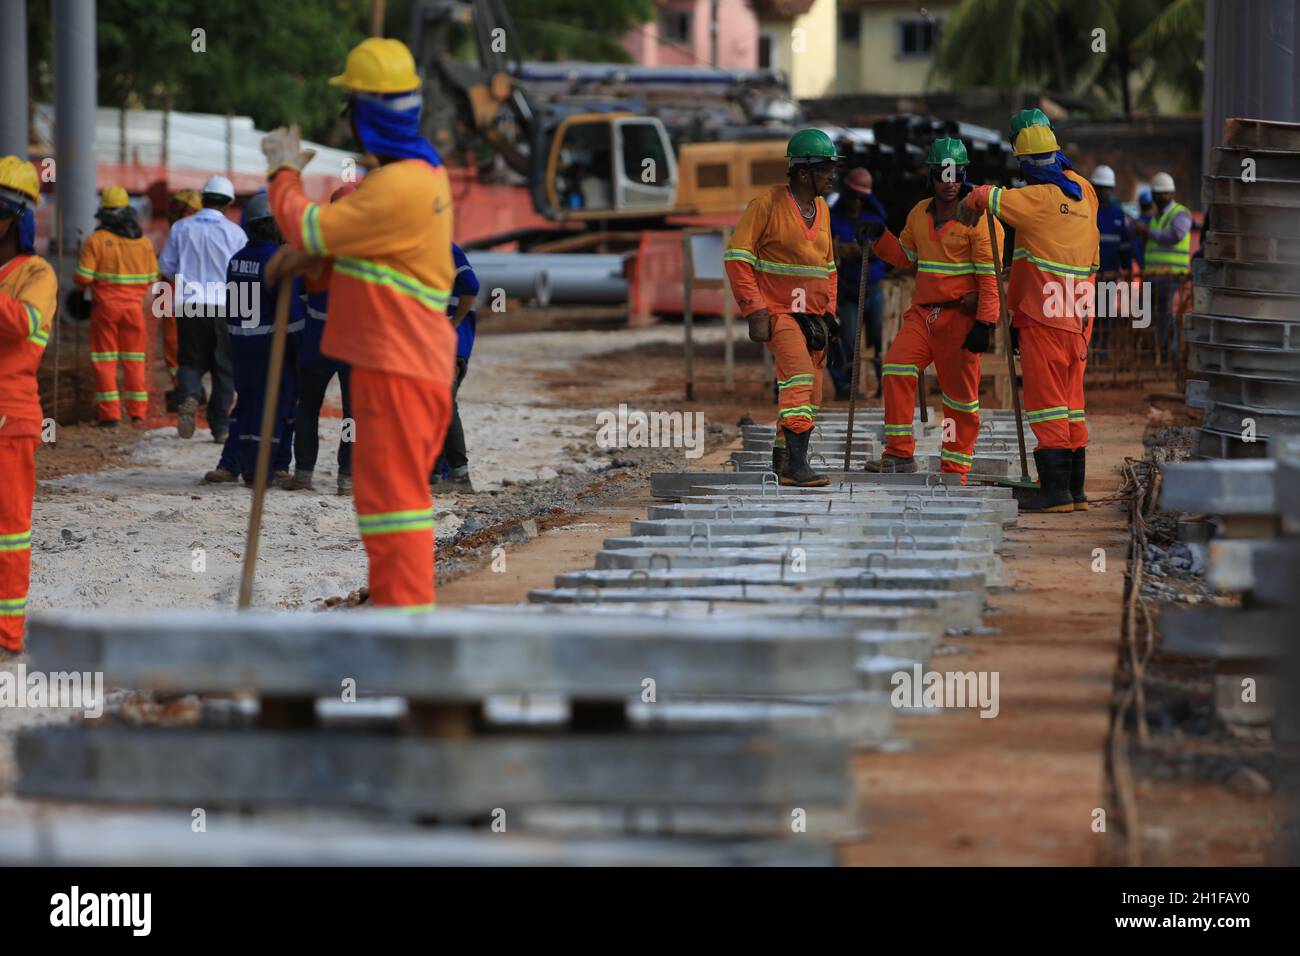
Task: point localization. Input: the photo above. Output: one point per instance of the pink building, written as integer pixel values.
(679, 35)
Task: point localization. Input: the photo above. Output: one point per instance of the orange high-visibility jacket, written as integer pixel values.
(1057, 246)
(119, 271)
(390, 245)
(950, 261)
(29, 293)
(776, 263)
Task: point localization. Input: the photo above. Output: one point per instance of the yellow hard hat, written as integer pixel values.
(1033, 140)
(114, 197)
(19, 176)
(378, 65)
(188, 197)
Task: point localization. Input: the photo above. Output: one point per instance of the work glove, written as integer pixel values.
(967, 214)
(289, 262)
(283, 150)
(76, 305)
(870, 231)
(977, 339)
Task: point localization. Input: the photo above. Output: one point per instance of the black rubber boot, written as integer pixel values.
(1055, 466)
(891, 465)
(796, 471)
(1077, 474)
(779, 452)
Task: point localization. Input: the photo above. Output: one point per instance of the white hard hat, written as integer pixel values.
(220, 186)
(1162, 183)
(1103, 176)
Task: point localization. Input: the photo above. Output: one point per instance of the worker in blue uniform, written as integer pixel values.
(451, 471)
(1115, 251)
(250, 318)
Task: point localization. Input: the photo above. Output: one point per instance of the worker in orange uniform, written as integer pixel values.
(28, 298)
(1051, 300)
(390, 246)
(954, 311)
(117, 265)
(781, 265)
(183, 204)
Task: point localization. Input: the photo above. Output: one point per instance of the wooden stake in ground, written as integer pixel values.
(1005, 321)
(262, 471)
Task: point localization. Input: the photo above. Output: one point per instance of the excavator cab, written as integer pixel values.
(606, 165)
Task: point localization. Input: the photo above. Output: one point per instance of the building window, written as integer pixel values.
(675, 26)
(917, 38)
(765, 61)
(850, 26)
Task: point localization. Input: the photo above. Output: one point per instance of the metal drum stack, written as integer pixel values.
(1245, 330)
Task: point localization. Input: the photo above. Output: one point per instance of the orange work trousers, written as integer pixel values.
(932, 334)
(1053, 362)
(18, 441)
(400, 424)
(118, 334)
(799, 375)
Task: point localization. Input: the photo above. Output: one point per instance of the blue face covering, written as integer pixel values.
(27, 233)
(1050, 168)
(390, 126)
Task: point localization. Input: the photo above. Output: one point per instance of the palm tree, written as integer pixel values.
(1049, 44)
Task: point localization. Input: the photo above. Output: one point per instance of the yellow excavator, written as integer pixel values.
(595, 142)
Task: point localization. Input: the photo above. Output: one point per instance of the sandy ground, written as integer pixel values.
(149, 533)
(1019, 789)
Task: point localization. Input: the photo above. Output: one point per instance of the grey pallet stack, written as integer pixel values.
(612, 766)
(1251, 554)
(845, 556)
(1245, 327)
(72, 838)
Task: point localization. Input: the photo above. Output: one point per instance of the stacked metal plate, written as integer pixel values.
(1245, 327)
(1255, 553)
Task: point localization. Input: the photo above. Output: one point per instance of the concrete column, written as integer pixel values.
(13, 78)
(74, 116)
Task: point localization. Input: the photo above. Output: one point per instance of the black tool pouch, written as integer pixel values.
(814, 330)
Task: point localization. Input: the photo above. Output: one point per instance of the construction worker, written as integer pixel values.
(28, 299)
(250, 318)
(1166, 257)
(451, 471)
(951, 321)
(781, 265)
(1146, 212)
(195, 258)
(1050, 298)
(183, 204)
(314, 374)
(118, 266)
(392, 276)
(857, 204)
(1116, 250)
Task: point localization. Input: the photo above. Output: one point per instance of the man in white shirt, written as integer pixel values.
(196, 256)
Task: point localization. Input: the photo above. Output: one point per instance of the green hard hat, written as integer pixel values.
(811, 146)
(1027, 118)
(947, 149)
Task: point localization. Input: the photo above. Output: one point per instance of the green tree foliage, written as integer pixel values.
(578, 29)
(1049, 44)
(269, 60)
(272, 60)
